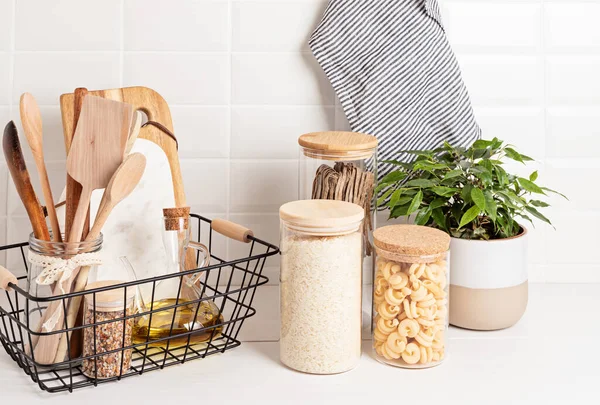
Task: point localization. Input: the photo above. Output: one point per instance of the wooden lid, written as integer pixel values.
(110, 300)
(322, 217)
(411, 240)
(338, 144)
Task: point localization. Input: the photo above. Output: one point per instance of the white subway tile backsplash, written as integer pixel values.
(262, 186)
(181, 78)
(68, 25)
(203, 132)
(48, 75)
(520, 126)
(503, 79)
(198, 25)
(573, 132)
(274, 25)
(6, 24)
(242, 86)
(286, 78)
(571, 25)
(575, 241)
(4, 187)
(205, 183)
(485, 25)
(3, 230)
(5, 62)
(271, 132)
(573, 79)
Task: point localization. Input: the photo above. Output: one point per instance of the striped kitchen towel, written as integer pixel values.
(395, 74)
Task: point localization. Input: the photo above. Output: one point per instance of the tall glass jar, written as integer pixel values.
(320, 285)
(410, 296)
(341, 166)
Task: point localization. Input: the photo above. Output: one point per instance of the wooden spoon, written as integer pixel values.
(32, 124)
(120, 186)
(135, 131)
(18, 171)
(96, 153)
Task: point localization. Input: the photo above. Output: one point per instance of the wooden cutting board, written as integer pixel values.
(156, 109)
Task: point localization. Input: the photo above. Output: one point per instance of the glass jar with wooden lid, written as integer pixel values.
(410, 295)
(320, 285)
(342, 166)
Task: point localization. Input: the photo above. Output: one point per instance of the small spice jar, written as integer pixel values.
(342, 166)
(320, 285)
(410, 295)
(102, 336)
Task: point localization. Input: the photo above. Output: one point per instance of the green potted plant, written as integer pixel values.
(467, 193)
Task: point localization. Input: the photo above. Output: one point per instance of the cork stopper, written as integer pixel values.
(176, 218)
(411, 243)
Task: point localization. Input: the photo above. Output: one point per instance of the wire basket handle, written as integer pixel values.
(232, 230)
(6, 278)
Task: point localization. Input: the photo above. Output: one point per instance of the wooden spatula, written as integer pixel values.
(96, 153)
(97, 150)
(122, 183)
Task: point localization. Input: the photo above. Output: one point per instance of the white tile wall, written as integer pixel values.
(242, 86)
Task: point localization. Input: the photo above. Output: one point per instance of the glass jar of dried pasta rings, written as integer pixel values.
(410, 295)
(338, 165)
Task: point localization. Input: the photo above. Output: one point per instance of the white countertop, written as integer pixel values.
(551, 356)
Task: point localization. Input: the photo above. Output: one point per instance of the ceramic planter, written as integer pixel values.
(488, 282)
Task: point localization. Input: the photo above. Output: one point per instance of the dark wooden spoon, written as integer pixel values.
(20, 175)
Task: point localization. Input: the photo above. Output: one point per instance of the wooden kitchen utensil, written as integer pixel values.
(157, 110)
(135, 131)
(32, 125)
(97, 150)
(20, 175)
(74, 188)
(122, 183)
(96, 153)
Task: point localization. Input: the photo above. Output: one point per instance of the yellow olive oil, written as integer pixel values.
(160, 326)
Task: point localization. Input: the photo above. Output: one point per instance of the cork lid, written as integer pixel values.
(109, 300)
(335, 145)
(411, 240)
(322, 217)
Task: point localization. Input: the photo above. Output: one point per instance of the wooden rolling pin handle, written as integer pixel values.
(232, 230)
(6, 278)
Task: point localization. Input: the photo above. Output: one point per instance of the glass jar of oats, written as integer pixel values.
(320, 285)
(410, 295)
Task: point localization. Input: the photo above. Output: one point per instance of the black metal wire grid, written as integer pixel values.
(231, 285)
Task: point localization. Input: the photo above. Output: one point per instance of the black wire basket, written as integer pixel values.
(230, 285)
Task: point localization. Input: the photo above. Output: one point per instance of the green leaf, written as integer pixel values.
(555, 192)
(394, 176)
(395, 197)
(533, 176)
(452, 174)
(444, 191)
(404, 200)
(491, 207)
(513, 154)
(527, 158)
(423, 216)
(438, 202)
(469, 216)
(538, 215)
(422, 183)
(483, 174)
(439, 218)
(384, 197)
(466, 193)
(530, 186)
(538, 203)
(399, 211)
(478, 198)
(416, 202)
(481, 144)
